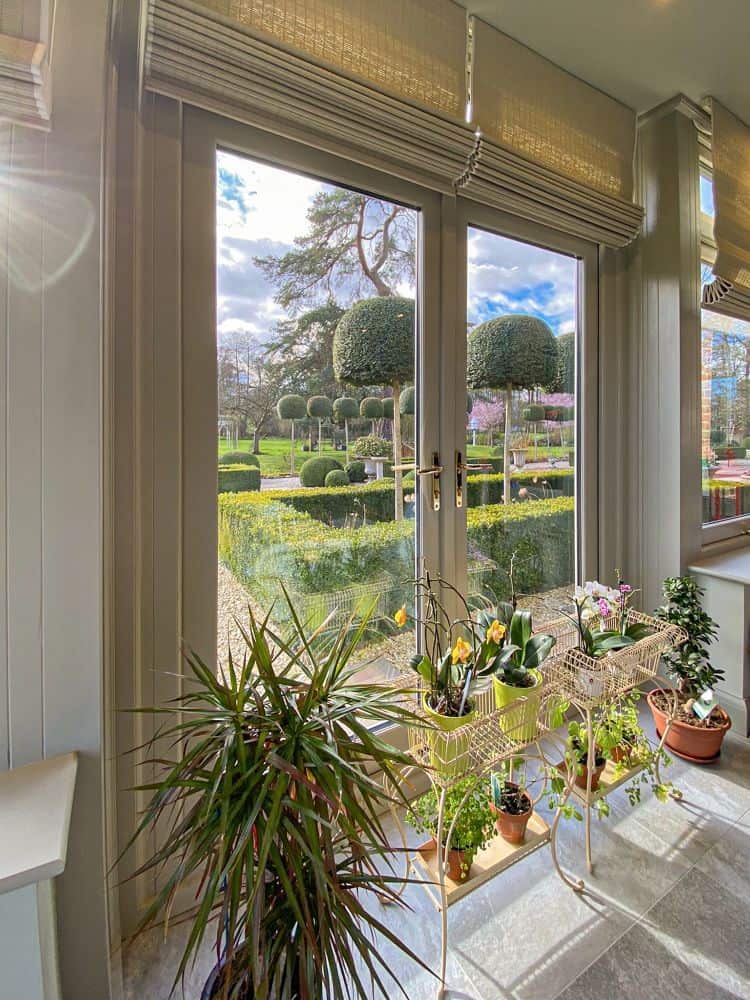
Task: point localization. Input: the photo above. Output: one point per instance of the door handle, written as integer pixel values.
(434, 471)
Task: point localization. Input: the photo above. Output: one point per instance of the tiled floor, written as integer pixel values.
(666, 912)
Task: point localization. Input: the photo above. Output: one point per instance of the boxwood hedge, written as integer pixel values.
(238, 478)
(266, 542)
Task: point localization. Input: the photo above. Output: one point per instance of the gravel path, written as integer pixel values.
(381, 657)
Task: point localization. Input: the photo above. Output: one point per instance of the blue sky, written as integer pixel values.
(260, 210)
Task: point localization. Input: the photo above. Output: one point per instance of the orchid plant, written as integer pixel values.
(596, 603)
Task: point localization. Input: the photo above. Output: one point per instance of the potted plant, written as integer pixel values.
(454, 659)
(269, 806)
(577, 755)
(698, 725)
(510, 803)
(466, 802)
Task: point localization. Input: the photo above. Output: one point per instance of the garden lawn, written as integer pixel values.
(275, 453)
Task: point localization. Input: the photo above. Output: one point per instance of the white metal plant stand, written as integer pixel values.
(523, 729)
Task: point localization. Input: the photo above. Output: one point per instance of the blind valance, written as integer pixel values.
(730, 148)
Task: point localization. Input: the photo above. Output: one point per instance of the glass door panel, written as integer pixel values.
(520, 475)
(317, 439)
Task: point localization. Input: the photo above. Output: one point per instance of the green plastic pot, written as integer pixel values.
(521, 723)
(448, 753)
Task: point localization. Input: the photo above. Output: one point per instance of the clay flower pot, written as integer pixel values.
(512, 826)
(694, 743)
(582, 778)
(620, 754)
(459, 864)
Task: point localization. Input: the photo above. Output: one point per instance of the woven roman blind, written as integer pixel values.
(416, 49)
(730, 147)
(384, 84)
(538, 110)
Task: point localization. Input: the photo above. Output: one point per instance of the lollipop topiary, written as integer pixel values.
(371, 408)
(291, 407)
(374, 345)
(345, 408)
(388, 408)
(511, 352)
(320, 408)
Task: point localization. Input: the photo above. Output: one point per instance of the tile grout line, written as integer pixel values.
(638, 921)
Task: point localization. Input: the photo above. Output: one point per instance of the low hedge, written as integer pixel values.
(374, 500)
(238, 478)
(266, 542)
(239, 458)
(488, 489)
(315, 470)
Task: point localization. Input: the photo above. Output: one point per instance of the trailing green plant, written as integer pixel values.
(689, 664)
(315, 470)
(618, 728)
(466, 801)
(268, 802)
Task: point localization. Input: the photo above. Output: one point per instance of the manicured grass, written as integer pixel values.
(275, 453)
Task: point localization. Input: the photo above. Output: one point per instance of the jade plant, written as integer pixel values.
(689, 664)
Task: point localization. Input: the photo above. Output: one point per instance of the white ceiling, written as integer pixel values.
(640, 51)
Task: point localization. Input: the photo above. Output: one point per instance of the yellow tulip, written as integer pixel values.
(495, 632)
(400, 616)
(461, 651)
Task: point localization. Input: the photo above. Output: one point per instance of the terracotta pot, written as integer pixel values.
(582, 778)
(690, 742)
(459, 864)
(620, 754)
(510, 826)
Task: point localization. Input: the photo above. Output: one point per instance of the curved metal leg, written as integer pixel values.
(401, 832)
(590, 765)
(576, 886)
(443, 893)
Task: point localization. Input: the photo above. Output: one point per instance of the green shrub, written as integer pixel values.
(534, 413)
(374, 501)
(356, 472)
(488, 489)
(238, 478)
(315, 470)
(239, 458)
(371, 447)
(371, 407)
(345, 408)
(408, 401)
(319, 407)
(388, 408)
(291, 407)
(336, 477)
(746, 444)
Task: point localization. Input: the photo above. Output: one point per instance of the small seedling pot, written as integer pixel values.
(512, 826)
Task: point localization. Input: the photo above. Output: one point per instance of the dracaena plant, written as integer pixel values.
(270, 804)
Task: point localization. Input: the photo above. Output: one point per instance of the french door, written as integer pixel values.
(261, 325)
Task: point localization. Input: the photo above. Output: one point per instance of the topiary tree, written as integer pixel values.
(336, 477)
(371, 408)
(239, 458)
(388, 408)
(374, 345)
(345, 408)
(408, 403)
(532, 415)
(291, 407)
(565, 380)
(320, 408)
(511, 352)
(315, 470)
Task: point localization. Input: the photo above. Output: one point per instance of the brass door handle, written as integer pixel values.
(434, 471)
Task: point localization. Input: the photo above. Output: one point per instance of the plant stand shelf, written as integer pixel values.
(611, 777)
(495, 858)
